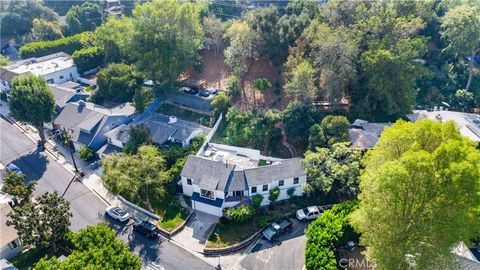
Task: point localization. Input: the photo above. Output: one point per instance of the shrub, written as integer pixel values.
(88, 58)
(326, 232)
(234, 86)
(262, 221)
(274, 193)
(86, 154)
(67, 44)
(291, 192)
(240, 214)
(257, 200)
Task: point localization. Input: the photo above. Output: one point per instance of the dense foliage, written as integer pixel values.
(116, 83)
(113, 38)
(94, 247)
(87, 59)
(241, 213)
(31, 101)
(84, 17)
(43, 30)
(138, 135)
(86, 154)
(42, 223)
(335, 169)
(14, 184)
(327, 232)
(67, 44)
(419, 195)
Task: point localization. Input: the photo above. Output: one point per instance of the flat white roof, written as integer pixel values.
(468, 123)
(43, 65)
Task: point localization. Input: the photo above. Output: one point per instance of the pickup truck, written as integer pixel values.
(311, 212)
(276, 228)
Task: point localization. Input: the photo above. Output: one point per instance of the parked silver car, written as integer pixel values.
(117, 213)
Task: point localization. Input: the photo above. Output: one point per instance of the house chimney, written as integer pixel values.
(172, 119)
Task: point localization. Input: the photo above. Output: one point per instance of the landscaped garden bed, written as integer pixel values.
(228, 233)
(173, 216)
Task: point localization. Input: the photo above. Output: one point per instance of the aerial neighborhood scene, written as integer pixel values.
(240, 134)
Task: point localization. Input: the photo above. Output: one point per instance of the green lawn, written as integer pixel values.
(173, 216)
(231, 233)
(29, 258)
(199, 118)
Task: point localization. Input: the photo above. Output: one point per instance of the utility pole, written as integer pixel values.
(65, 135)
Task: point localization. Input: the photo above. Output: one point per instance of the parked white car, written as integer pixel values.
(311, 212)
(13, 168)
(117, 213)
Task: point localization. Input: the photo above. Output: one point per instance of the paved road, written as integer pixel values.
(286, 253)
(87, 208)
(15, 147)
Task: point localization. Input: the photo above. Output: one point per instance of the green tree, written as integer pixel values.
(301, 86)
(42, 223)
(297, 118)
(316, 137)
(14, 184)
(234, 86)
(32, 102)
(273, 194)
(87, 59)
(335, 169)
(419, 195)
(461, 29)
(465, 99)
(19, 15)
(142, 97)
(221, 103)
(241, 213)
(139, 178)
(260, 84)
(173, 26)
(330, 230)
(43, 30)
(90, 248)
(291, 193)
(335, 128)
(213, 29)
(257, 200)
(4, 61)
(138, 136)
(85, 17)
(86, 154)
(241, 50)
(113, 38)
(116, 82)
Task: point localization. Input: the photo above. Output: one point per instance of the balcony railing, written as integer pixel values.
(244, 199)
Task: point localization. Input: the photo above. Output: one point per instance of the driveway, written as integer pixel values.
(287, 252)
(196, 231)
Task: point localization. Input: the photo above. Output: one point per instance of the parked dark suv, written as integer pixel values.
(146, 228)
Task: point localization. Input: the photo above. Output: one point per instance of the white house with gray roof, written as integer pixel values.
(88, 122)
(225, 176)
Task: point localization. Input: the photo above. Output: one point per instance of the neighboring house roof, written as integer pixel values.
(9, 233)
(86, 119)
(108, 149)
(38, 66)
(6, 265)
(8, 75)
(64, 95)
(364, 135)
(286, 168)
(201, 170)
(161, 129)
(216, 175)
(468, 123)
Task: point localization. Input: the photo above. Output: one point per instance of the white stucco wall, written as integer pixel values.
(288, 183)
(7, 253)
(187, 189)
(68, 74)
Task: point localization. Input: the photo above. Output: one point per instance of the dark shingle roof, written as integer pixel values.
(365, 135)
(237, 182)
(196, 168)
(287, 168)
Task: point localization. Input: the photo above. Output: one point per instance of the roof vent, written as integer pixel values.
(172, 119)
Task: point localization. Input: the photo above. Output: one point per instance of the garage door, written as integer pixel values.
(206, 208)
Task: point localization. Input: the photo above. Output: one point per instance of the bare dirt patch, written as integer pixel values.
(214, 73)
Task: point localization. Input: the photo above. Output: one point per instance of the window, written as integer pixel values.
(207, 194)
(265, 187)
(61, 77)
(295, 180)
(254, 189)
(189, 181)
(50, 81)
(13, 244)
(281, 183)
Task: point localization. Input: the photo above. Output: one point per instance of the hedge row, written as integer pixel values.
(88, 58)
(328, 231)
(67, 44)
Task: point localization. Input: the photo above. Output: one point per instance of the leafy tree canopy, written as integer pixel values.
(419, 195)
(14, 184)
(84, 17)
(117, 82)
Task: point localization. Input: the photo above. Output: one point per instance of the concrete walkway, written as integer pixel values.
(196, 231)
